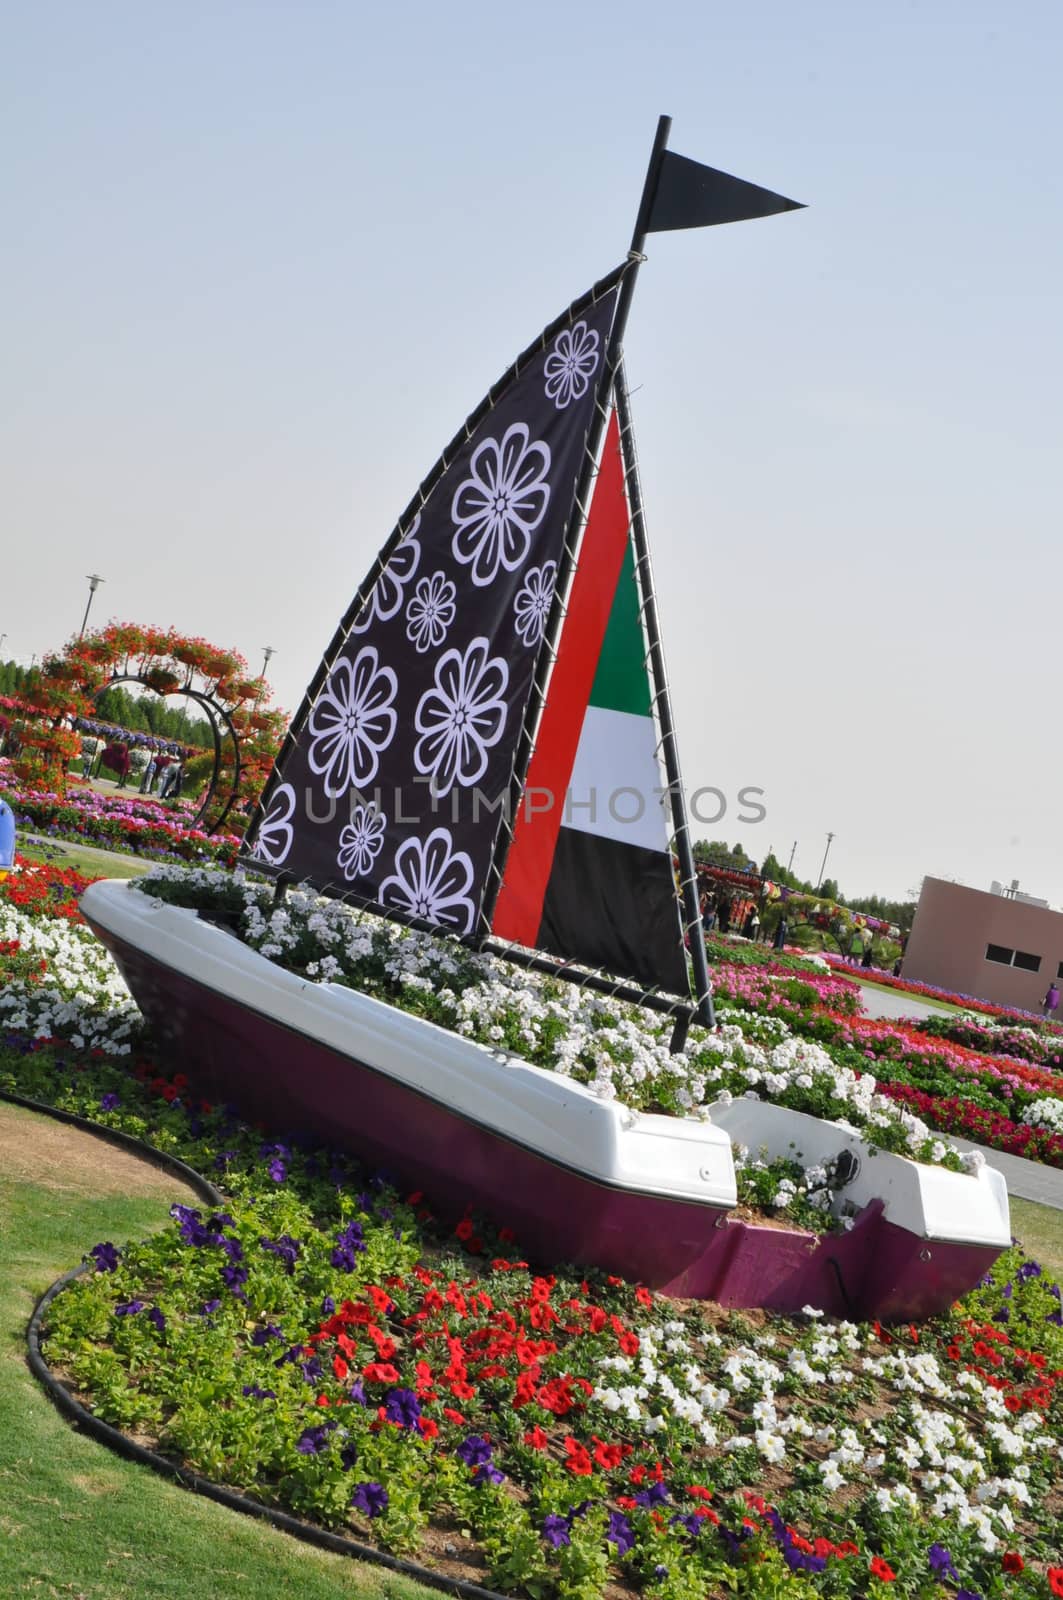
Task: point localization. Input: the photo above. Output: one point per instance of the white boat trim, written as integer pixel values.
(607, 1142)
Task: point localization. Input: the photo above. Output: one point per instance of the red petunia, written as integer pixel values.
(465, 1228)
(882, 1570)
(340, 1367)
(380, 1372)
(1011, 1561)
(429, 1429)
(644, 1297)
(629, 1344)
(1055, 1580)
(577, 1461)
(608, 1455)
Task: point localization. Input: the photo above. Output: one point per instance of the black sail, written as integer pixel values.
(390, 783)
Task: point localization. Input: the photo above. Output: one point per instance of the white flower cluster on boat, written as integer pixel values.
(618, 1051)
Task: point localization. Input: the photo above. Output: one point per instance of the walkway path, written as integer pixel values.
(897, 1003)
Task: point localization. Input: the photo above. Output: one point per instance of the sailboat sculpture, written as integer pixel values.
(479, 755)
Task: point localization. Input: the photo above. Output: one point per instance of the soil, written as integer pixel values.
(34, 1149)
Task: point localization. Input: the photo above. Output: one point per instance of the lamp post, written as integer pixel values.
(268, 652)
(94, 582)
(823, 864)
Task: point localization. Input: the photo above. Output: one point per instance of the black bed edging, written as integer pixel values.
(125, 1141)
(116, 1440)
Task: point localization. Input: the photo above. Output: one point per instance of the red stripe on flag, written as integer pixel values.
(518, 910)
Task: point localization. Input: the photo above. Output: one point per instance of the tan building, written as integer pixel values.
(990, 946)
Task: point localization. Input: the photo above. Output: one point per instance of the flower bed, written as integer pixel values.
(323, 1343)
(1040, 1046)
(136, 825)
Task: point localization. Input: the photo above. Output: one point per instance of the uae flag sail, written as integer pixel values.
(589, 875)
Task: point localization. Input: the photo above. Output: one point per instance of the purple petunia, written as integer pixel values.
(655, 1495)
(209, 1307)
(262, 1336)
(349, 1244)
(255, 1393)
(277, 1170)
(487, 1472)
(109, 1102)
(129, 1308)
(475, 1450)
(556, 1530)
(286, 1248)
(311, 1440)
(402, 1406)
(620, 1533)
(371, 1498)
(105, 1256)
(941, 1563)
(156, 1317)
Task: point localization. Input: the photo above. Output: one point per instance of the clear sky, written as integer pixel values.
(260, 259)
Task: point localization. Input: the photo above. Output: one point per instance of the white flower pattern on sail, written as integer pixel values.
(275, 830)
(386, 595)
(361, 841)
(430, 612)
(532, 604)
(432, 880)
(461, 717)
(571, 364)
(497, 508)
(353, 721)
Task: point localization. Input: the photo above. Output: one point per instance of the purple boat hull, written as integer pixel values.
(295, 1084)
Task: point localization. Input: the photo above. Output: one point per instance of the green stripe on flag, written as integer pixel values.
(621, 682)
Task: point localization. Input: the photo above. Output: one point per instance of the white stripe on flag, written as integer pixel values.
(616, 781)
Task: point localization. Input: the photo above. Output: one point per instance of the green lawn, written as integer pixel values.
(76, 1520)
(1039, 1229)
(86, 858)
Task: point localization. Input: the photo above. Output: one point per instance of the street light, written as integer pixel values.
(830, 840)
(269, 651)
(94, 582)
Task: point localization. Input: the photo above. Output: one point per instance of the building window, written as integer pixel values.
(1016, 958)
(1059, 970)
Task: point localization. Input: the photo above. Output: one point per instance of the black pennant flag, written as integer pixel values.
(690, 195)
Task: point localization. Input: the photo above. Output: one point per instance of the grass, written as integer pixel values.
(86, 858)
(1039, 1229)
(76, 1520)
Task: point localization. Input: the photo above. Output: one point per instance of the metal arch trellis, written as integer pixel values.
(214, 710)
